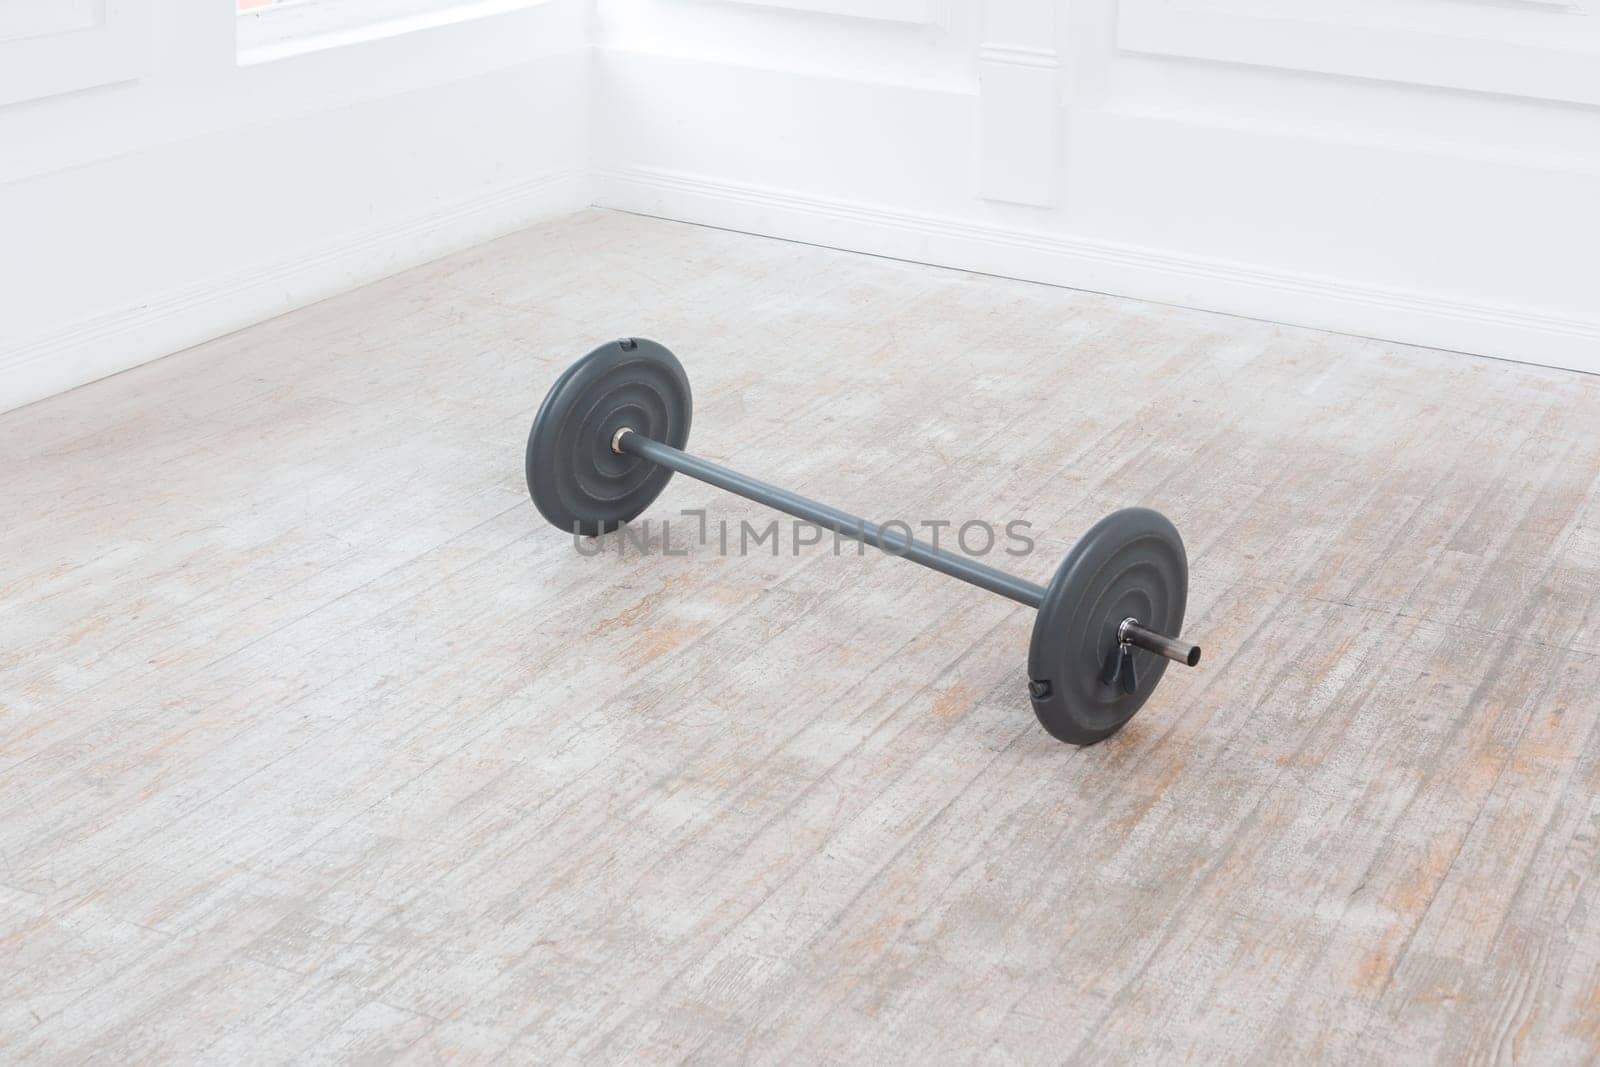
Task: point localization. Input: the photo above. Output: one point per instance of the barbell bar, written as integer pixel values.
(610, 434)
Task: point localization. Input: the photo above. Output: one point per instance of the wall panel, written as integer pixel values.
(1425, 171)
(1547, 51)
(49, 47)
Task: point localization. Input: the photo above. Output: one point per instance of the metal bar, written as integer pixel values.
(842, 522)
(1131, 633)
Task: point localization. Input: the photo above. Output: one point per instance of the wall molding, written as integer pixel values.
(1019, 56)
(1019, 96)
(114, 49)
(100, 345)
(1544, 52)
(1406, 317)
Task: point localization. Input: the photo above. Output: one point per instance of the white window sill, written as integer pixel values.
(274, 33)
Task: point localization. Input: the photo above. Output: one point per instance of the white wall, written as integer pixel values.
(193, 195)
(1418, 170)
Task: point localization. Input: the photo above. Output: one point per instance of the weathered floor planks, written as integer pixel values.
(316, 745)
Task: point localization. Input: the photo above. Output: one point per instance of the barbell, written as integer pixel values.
(611, 432)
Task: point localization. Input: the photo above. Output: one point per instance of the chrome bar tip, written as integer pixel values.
(1130, 632)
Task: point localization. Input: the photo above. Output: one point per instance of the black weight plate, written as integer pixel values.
(1131, 564)
(576, 481)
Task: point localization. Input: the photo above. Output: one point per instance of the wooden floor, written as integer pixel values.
(317, 743)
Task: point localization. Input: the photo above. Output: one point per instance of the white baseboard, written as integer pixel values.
(1435, 321)
(114, 341)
